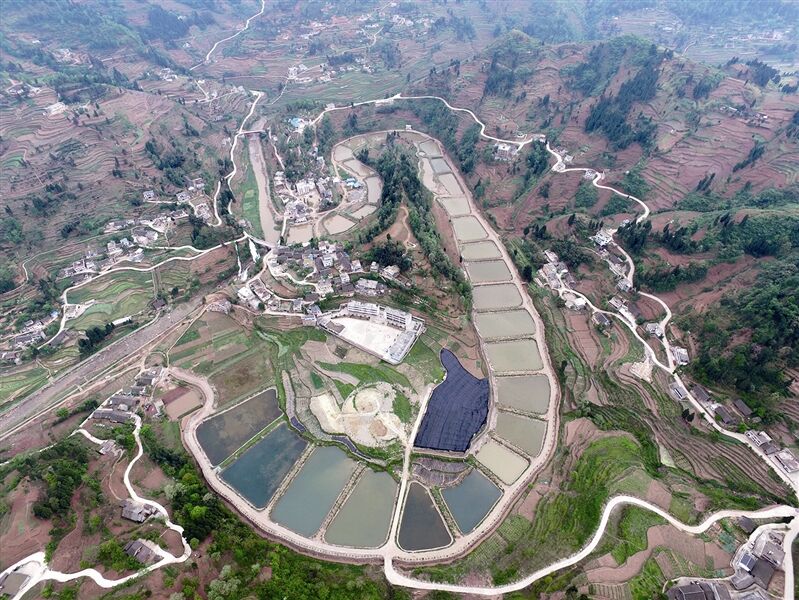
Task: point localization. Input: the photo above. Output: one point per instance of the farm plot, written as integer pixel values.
(223, 434)
(116, 295)
(237, 362)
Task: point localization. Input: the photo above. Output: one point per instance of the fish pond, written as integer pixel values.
(480, 251)
(455, 205)
(487, 271)
(509, 323)
(468, 229)
(502, 461)
(528, 393)
(524, 433)
(471, 499)
(311, 494)
(422, 527)
(223, 434)
(257, 474)
(515, 355)
(496, 297)
(364, 519)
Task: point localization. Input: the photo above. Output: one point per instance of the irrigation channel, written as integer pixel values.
(500, 304)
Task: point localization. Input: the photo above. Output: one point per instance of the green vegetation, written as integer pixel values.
(369, 374)
(402, 407)
(586, 195)
(249, 194)
(755, 364)
(94, 338)
(609, 114)
(317, 381)
(190, 335)
(345, 389)
(647, 585)
(60, 470)
(401, 183)
(423, 359)
(631, 532)
(112, 556)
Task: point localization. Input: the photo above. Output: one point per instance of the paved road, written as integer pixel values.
(396, 578)
(37, 566)
(48, 396)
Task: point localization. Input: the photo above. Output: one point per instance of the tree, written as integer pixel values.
(527, 272)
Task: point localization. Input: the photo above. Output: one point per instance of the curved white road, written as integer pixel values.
(39, 571)
(397, 578)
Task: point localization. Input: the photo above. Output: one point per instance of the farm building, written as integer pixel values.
(700, 393)
(724, 415)
(601, 320)
(141, 551)
(742, 408)
(136, 511)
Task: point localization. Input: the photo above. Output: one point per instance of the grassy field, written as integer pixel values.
(345, 389)
(648, 583)
(426, 361)
(631, 532)
(368, 373)
(317, 381)
(402, 408)
(249, 194)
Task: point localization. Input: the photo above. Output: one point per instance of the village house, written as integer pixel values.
(390, 272)
(142, 551)
(700, 393)
(786, 459)
(654, 329)
(601, 320)
(136, 511)
(617, 302)
(602, 238)
(680, 355)
(504, 152)
(742, 408)
(724, 415)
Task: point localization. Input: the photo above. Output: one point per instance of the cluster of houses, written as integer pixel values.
(755, 564)
(31, 333)
(121, 406)
(616, 264)
(756, 561)
(306, 190)
(116, 251)
(253, 295)
(731, 416)
(331, 269)
(555, 274)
